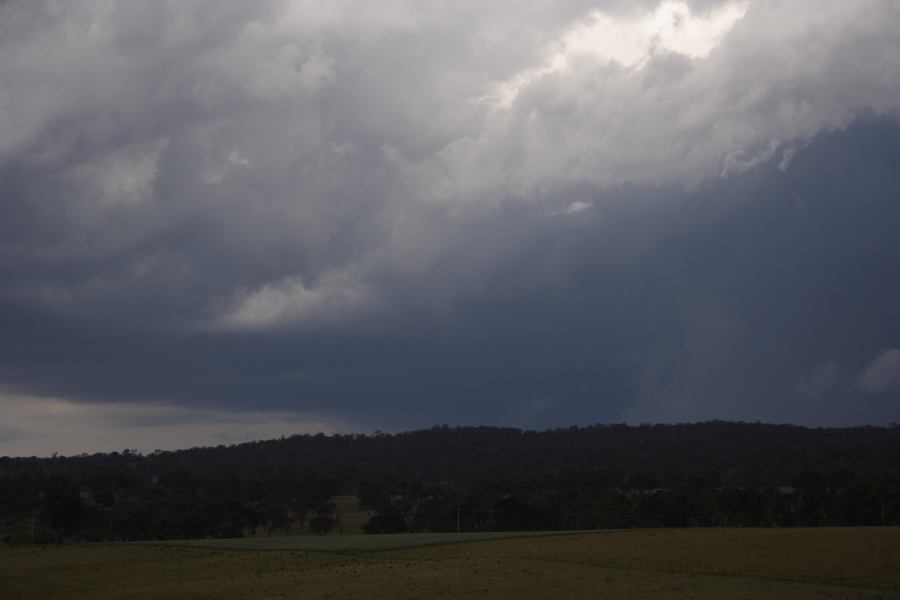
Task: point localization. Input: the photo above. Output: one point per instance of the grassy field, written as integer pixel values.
(347, 543)
(700, 563)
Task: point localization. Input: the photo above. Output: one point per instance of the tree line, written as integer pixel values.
(466, 478)
(596, 500)
(37, 507)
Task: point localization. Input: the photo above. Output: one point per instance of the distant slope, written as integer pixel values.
(730, 453)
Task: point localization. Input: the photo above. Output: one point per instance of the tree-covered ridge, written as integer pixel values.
(740, 453)
(471, 478)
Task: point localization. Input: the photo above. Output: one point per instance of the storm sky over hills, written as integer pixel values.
(223, 220)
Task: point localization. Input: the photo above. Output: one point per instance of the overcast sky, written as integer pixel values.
(223, 220)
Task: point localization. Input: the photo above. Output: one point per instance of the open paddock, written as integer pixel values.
(694, 563)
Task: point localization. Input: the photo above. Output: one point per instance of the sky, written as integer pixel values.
(224, 220)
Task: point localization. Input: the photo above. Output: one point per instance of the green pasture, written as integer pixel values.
(348, 543)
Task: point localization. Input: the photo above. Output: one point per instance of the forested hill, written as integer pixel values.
(464, 478)
(708, 454)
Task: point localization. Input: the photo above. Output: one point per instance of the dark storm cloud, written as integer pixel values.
(400, 213)
(716, 302)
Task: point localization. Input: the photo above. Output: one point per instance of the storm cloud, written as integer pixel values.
(388, 214)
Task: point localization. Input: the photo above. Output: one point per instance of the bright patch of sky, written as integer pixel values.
(632, 40)
(35, 425)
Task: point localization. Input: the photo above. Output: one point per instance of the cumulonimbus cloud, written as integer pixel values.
(280, 167)
(297, 140)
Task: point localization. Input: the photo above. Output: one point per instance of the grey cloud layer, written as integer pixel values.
(286, 203)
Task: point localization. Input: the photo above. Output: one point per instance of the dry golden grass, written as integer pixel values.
(732, 563)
